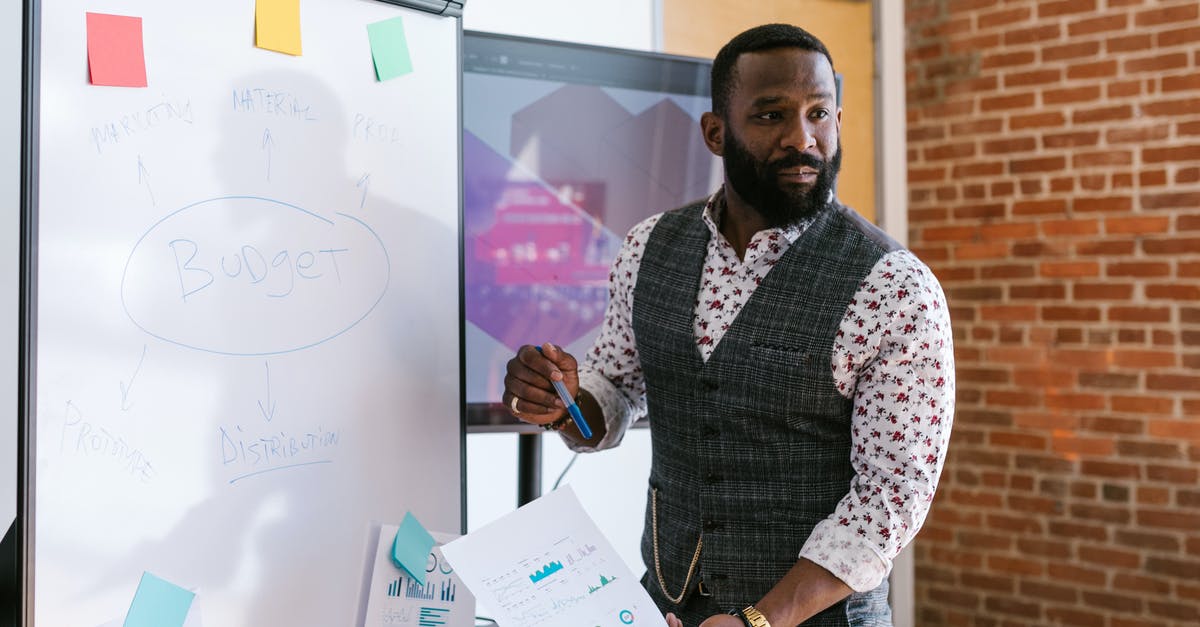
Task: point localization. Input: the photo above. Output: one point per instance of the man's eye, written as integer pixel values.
(819, 114)
(770, 115)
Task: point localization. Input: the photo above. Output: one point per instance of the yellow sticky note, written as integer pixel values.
(277, 25)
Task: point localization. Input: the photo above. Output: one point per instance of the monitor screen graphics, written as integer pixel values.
(565, 148)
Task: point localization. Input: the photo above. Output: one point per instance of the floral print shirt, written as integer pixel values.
(893, 357)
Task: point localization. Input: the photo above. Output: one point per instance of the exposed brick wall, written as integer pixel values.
(1054, 177)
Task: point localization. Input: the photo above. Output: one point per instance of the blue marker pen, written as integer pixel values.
(572, 408)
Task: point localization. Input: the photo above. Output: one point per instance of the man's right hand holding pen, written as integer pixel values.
(529, 393)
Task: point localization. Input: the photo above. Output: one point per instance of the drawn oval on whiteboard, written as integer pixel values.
(243, 275)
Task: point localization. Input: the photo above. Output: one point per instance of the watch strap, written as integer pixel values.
(754, 618)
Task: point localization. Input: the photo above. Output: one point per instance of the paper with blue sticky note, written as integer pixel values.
(410, 548)
(158, 603)
(395, 598)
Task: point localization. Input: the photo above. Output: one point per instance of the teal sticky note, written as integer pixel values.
(158, 603)
(410, 549)
(389, 48)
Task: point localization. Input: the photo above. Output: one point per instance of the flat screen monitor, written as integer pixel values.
(565, 147)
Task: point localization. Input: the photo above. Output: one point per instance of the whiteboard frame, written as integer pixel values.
(27, 378)
(24, 525)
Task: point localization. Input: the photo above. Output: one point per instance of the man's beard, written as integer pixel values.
(758, 183)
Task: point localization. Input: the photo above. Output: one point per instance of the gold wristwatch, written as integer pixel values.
(755, 617)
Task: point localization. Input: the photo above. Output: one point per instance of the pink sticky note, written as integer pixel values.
(115, 56)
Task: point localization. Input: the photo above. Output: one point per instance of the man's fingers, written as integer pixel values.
(532, 359)
(563, 360)
(529, 380)
(532, 399)
(543, 364)
(518, 370)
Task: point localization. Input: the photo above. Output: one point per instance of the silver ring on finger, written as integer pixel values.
(513, 406)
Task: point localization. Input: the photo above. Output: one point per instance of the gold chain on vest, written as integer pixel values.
(657, 564)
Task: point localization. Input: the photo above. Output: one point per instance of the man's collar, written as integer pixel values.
(715, 209)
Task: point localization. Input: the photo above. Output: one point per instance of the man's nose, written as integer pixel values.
(798, 135)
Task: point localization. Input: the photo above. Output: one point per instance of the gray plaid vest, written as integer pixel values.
(752, 447)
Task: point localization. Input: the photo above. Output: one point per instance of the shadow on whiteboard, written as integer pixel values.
(266, 471)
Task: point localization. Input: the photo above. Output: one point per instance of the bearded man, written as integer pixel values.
(795, 364)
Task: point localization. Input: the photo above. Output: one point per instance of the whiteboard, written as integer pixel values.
(247, 334)
(10, 278)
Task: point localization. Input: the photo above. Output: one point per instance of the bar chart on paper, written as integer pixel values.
(396, 598)
(548, 565)
(409, 588)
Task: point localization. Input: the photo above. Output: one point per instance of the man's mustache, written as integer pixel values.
(795, 159)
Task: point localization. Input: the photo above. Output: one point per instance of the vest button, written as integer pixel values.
(712, 478)
(710, 432)
(712, 525)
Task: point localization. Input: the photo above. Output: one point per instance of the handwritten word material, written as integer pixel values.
(272, 102)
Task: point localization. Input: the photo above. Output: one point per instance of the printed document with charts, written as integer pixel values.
(548, 565)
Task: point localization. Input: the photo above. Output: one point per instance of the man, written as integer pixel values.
(795, 363)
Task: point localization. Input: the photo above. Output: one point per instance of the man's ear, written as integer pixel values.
(712, 127)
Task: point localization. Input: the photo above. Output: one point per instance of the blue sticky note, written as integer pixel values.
(158, 603)
(410, 549)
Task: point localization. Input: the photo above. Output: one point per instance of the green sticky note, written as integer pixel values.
(158, 603)
(410, 549)
(389, 48)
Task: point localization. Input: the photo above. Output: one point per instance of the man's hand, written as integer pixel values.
(720, 620)
(528, 391)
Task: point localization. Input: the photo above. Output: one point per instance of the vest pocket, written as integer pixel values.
(796, 385)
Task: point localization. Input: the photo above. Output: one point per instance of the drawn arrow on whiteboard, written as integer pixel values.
(125, 388)
(268, 414)
(267, 144)
(144, 177)
(365, 184)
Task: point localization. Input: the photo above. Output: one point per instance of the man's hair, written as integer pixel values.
(757, 39)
